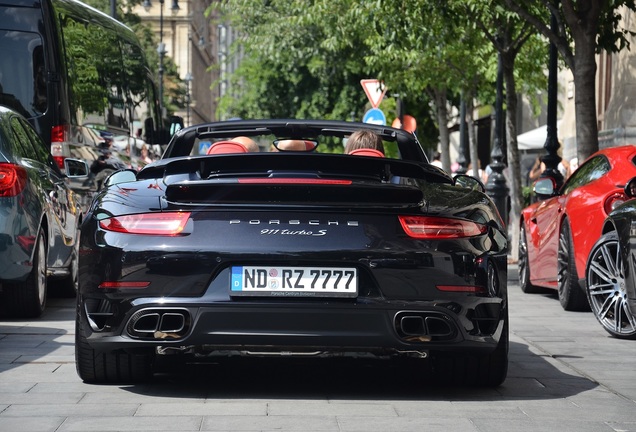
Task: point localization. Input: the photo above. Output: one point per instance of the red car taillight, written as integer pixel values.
(13, 179)
(166, 224)
(613, 201)
(437, 228)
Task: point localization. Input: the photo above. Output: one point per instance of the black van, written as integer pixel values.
(82, 80)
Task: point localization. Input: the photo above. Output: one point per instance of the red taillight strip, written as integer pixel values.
(292, 181)
(122, 285)
(167, 224)
(435, 228)
(462, 288)
(613, 201)
(13, 179)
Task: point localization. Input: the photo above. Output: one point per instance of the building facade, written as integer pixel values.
(190, 38)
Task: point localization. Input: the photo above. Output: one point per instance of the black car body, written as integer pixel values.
(610, 279)
(292, 253)
(39, 219)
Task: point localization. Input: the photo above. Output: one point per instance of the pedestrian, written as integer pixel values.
(437, 159)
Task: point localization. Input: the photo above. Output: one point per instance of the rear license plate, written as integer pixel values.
(294, 281)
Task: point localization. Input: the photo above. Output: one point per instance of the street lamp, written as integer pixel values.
(188, 80)
(161, 48)
(496, 186)
(551, 146)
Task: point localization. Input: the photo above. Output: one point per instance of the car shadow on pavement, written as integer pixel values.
(529, 376)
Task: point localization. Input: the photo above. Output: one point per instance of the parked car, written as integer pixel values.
(558, 232)
(611, 284)
(39, 219)
(71, 69)
(301, 252)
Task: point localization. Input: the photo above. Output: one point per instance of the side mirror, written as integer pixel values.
(121, 176)
(469, 182)
(75, 168)
(545, 187)
(630, 188)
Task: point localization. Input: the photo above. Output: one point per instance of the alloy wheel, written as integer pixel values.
(606, 290)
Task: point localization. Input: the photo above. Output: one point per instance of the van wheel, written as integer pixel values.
(69, 285)
(109, 367)
(28, 299)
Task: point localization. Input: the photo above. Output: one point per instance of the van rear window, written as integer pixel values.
(22, 76)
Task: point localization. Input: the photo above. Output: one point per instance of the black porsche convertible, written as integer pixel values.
(226, 249)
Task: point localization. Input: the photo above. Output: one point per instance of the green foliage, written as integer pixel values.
(174, 87)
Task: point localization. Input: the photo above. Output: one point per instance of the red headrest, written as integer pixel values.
(367, 152)
(223, 147)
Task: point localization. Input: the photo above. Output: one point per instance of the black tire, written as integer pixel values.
(523, 265)
(606, 290)
(116, 367)
(473, 370)
(571, 296)
(28, 299)
(68, 286)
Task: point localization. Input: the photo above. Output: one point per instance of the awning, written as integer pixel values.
(535, 138)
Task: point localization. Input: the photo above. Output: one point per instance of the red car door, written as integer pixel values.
(544, 237)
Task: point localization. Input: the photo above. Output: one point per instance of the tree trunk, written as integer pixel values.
(472, 140)
(442, 120)
(514, 166)
(585, 100)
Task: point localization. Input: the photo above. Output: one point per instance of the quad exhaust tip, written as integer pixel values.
(423, 326)
(159, 324)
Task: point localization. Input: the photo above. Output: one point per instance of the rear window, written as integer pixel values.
(22, 71)
(22, 76)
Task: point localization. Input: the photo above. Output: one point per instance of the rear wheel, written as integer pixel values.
(524, 264)
(606, 289)
(571, 296)
(474, 370)
(108, 367)
(28, 299)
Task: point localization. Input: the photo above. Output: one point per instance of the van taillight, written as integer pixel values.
(13, 178)
(58, 136)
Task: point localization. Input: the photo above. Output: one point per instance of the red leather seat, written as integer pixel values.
(224, 147)
(367, 152)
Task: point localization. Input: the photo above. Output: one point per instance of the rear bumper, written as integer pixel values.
(377, 329)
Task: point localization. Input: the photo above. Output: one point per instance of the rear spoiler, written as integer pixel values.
(295, 165)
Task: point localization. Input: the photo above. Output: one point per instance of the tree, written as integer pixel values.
(174, 87)
(508, 34)
(585, 27)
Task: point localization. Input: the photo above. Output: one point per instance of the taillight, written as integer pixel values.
(435, 228)
(13, 179)
(166, 224)
(474, 289)
(613, 201)
(58, 137)
(293, 180)
(58, 134)
(123, 285)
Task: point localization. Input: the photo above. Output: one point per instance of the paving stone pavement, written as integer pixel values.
(565, 374)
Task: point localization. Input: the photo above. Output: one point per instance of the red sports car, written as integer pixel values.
(557, 233)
